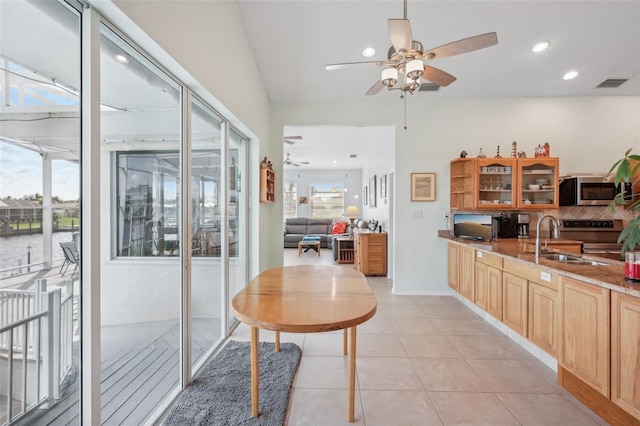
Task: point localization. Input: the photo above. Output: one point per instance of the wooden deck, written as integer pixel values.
(140, 363)
(134, 380)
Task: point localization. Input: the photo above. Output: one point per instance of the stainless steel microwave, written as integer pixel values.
(590, 190)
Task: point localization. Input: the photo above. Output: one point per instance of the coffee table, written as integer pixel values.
(315, 244)
(305, 299)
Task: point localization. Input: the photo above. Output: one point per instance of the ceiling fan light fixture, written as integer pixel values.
(415, 69)
(541, 47)
(389, 77)
(411, 85)
(368, 51)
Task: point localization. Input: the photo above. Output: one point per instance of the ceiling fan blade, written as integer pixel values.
(400, 34)
(291, 139)
(375, 88)
(332, 67)
(437, 76)
(462, 46)
(295, 164)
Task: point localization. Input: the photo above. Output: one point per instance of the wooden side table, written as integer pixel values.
(345, 249)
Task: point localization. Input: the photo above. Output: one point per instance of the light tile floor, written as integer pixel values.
(423, 360)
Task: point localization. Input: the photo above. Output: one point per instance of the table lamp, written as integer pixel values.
(351, 212)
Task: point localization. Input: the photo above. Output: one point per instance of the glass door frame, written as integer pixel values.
(90, 309)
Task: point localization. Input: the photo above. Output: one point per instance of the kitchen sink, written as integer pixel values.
(559, 257)
(571, 259)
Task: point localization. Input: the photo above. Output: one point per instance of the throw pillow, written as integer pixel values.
(339, 228)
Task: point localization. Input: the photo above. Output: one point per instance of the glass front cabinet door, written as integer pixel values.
(496, 183)
(538, 183)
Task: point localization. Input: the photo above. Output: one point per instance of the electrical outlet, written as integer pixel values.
(445, 214)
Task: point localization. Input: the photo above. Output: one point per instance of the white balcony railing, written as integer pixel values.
(36, 347)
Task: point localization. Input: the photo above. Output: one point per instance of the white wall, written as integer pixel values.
(588, 134)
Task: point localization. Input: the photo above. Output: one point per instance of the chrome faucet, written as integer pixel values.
(554, 230)
(554, 225)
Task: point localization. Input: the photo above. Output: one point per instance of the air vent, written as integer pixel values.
(353, 156)
(429, 87)
(612, 82)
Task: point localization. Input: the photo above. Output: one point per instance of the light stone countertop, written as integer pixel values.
(608, 276)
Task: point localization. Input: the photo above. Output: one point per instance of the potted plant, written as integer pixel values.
(627, 169)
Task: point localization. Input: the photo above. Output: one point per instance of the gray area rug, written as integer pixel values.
(221, 393)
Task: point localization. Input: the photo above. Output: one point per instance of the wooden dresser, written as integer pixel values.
(370, 252)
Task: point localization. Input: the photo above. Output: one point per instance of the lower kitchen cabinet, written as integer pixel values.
(514, 302)
(543, 317)
(454, 266)
(593, 332)
(625, 352)
(494, 301)
(488, 283)
(482, 286)
(584, 336)
(467, 272)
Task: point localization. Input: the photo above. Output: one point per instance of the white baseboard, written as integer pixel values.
(423, 293)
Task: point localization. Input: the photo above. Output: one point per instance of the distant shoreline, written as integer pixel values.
(15, 232)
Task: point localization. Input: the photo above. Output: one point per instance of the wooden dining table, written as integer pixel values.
(305, 299)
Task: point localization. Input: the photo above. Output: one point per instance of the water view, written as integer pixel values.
(14, 251)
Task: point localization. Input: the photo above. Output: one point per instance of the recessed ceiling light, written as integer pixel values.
(334, 161)
(542, 46)
(570, 75)
(368, 52)
(121, 58)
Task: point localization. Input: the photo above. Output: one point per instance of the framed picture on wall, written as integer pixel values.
(372, 191)
(383, 186)
(365, 196)
(423, 186)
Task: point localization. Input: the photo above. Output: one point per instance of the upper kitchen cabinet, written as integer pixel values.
(462, 191)
(538, 183)
(495, 185)
(504, 183)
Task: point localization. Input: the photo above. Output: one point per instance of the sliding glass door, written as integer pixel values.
(141, 238)
(172, 243)
(207, 223)
(40, 288)
(238, 240)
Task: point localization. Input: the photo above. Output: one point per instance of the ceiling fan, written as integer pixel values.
(406, 57)
(292, 139)
(289, 162)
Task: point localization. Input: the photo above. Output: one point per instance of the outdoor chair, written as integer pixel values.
(71, 256)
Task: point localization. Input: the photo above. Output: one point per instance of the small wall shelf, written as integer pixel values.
(267, 183)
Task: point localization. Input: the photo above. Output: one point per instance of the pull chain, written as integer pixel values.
(405, 112)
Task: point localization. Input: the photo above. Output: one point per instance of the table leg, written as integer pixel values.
(352, 375)
(344, 341)
(299, 250)
(255, 373)
(277, 341)
(318, 250)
